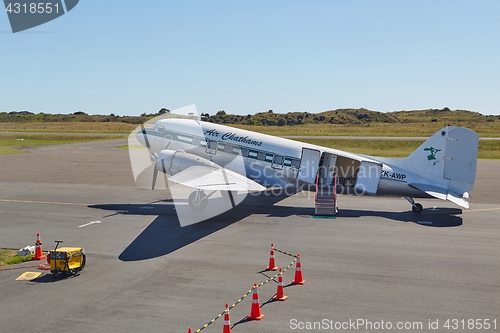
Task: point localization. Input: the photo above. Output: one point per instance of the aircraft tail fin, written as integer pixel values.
(450, 153)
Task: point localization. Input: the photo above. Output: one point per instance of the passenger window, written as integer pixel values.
(228, 149)
(212, 144)
(295, 164)
(278, 159)
(278, 162)
(211, 147)
(245, 152)
(261, 156)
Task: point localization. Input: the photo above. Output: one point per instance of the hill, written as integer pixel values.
(269, 118)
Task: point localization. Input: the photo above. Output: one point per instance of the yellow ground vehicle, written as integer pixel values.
(67, 260)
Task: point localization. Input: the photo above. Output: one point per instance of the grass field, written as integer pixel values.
(395, 148)
(76, 127)
(9, 257)
(383, 148)
(8, 141)
(484, 129)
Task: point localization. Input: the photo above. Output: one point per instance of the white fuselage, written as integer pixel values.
(278, 162)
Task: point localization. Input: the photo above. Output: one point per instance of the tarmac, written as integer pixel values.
(377, 262)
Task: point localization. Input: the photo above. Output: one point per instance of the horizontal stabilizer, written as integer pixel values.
(456, 199)
(443, 194)
(215, 179)
(433, 191)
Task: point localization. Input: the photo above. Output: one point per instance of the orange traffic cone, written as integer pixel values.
(227, 322)
(189, 329)
(298, 273)
(255, 313)
(272, 265)
(280, 293)
(38, 249)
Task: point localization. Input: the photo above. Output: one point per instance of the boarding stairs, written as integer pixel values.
(325, 201)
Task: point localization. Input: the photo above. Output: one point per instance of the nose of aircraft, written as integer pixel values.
(140, 137)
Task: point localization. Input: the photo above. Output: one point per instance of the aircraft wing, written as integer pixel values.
(443, 194)
(215, 179)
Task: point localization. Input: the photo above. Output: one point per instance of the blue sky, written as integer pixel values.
(129, 57)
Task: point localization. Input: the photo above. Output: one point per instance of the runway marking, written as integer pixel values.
(86, 224)
(481, 210)
(45, 202)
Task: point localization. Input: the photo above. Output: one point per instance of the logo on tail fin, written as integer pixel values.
(432, 155)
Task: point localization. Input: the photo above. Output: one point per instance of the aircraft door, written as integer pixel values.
(309, 164)
(368, 178)
(327, 168)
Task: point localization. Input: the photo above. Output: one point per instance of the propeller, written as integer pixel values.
(152, 156)
(155, 174)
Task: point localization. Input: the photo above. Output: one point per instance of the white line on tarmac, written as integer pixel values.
(480, 210)
(45, 202)
(86, 224)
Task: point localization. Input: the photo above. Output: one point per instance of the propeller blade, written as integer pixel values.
(152, 155)
(155, 174)
(146, 140)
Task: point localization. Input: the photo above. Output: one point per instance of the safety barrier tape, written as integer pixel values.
(251, 290)
(288, 254)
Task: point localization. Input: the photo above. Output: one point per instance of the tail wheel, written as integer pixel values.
(417, 208)
(197, 200)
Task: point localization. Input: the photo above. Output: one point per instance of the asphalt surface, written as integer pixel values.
(376, 262)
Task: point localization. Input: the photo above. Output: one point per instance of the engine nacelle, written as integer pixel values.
(172, 162)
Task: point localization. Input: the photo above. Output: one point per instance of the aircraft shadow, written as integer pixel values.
(432, 217)
(441, 217)
(165, 235)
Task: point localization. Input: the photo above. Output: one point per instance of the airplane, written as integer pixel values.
(211, 157)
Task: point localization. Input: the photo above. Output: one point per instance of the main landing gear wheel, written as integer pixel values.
(415, 207)
(197, 200)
